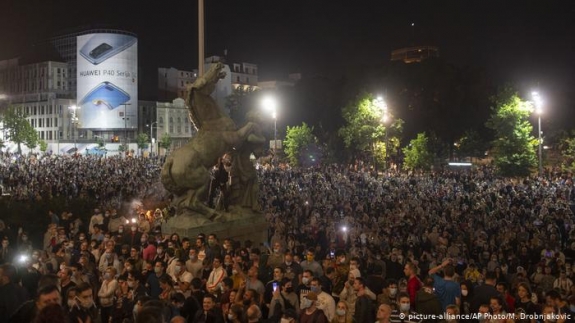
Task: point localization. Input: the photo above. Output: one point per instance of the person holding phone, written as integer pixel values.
(283, 299)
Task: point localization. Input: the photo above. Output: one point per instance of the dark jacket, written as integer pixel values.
(426, 303)
(364, 310)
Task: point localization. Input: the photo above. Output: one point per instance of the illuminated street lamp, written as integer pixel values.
(270, 104)
(151, 136)
(539, 110)
(74, 120)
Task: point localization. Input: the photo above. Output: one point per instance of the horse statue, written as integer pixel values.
(186, 173)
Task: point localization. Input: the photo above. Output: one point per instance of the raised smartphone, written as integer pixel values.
(103, 46)
(105, 94)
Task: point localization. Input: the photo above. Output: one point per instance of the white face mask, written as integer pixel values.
(392, 291)
(340, 312)
(71, 303)
(404, 307)
(230, 317)
(305, 303)
(464, 292)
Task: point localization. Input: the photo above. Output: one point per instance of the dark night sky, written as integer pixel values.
(524, 42)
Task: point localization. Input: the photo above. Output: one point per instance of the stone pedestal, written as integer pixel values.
(239, 227)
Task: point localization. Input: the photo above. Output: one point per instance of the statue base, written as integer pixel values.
(239, 225)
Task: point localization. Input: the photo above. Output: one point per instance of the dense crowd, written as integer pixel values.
(75, 176)
(344, 246)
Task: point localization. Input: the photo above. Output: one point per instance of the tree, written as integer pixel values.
(418, 154)
(365, 130)
(297, 142)
(514, 146)
(165, 142)
(471, 145)
(43, 146)
(142, 141)
(239, 102)
(567, 147)
(18, 129)
(101, 143)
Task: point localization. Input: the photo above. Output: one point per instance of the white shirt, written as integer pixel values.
(216, 277)
(326, 303)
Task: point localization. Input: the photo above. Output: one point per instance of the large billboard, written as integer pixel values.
(107, 81)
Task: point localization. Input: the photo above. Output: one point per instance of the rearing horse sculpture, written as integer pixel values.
(186, 171)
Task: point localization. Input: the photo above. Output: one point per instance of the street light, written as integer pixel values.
(151, 136)
(74, 119)
(539, 110)
(270, 104)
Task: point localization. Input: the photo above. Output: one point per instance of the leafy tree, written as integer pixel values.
(122, 148)
(514, 146)
(101, 142)
(471, 145)
(43, 146)
(165, 142)
(418, 154)
(297, 142)
(365, 129)
(142, 141)
(567, 147)
(18, 129)
(239, 102)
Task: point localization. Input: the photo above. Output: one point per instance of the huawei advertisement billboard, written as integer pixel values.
(107, 82)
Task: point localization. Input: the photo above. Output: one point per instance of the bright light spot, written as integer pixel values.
(460, 164)
(133, 220)
(269, 103)
(546, 147)
(344, 229)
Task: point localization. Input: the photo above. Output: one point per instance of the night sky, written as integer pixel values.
(523, 42)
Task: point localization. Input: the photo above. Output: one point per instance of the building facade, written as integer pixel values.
(172, 83)
(173, 120)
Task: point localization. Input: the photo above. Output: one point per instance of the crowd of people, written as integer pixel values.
(345, 245)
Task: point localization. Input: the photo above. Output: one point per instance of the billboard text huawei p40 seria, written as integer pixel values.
(107, 81)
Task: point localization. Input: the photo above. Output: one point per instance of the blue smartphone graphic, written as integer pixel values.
(103, 46)
(105, 94)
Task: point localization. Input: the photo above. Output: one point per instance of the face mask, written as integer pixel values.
(404, 307)
(108, 255)
(315, 289)
(120, 230)
(160, 251)
(131, 284)
(234, 272)
(230, 317)
(82, 238)
(71, 303)
(157, 270)
(342, 261)
(144, 240)
(305, 280)
(288, 263)
(211, 243)
(464, 292)
(340, 312)
(107, 276)
(276, 251)
(192, 258)
(305, 303)
(178, 268)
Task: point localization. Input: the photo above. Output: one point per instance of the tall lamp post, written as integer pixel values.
(539, 110)
(270, 104)
(151, 136)
(74, 119)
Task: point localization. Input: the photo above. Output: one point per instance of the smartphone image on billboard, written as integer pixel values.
(105, 94)
(103, 46)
